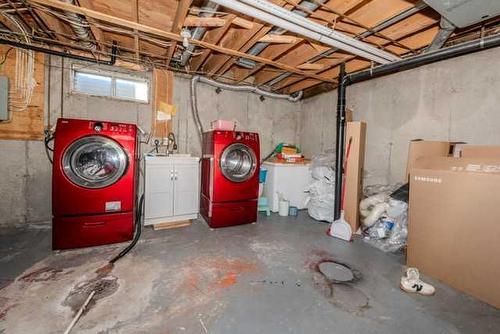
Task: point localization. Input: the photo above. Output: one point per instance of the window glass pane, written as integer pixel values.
(134, 90)
(92, 84)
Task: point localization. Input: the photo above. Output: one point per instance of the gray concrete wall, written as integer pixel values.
(456, 100)
(275, 120)
(26, 173)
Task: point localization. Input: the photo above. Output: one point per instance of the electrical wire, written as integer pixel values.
(5, 56)
(48, 138)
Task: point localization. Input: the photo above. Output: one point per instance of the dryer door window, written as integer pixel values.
(238, 162)
(94, 162)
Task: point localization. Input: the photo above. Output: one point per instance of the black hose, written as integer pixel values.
(138, 229)
(48, 138)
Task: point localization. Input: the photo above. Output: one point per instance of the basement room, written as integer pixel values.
(249, 166)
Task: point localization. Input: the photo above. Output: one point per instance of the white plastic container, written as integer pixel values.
(291, 180)
(221, 124)
(283, 208)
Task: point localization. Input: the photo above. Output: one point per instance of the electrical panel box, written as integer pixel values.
(4, 98)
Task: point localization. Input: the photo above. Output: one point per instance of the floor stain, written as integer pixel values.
(104, 285)
(5, 307)
(42, 275)
(343, 294)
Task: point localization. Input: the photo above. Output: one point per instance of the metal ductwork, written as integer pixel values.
(80, 26)
(445, 31)
(393, 20)
(260, 46)
(463, 13)
(197, 33)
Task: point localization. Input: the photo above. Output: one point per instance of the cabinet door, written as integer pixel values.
(186, 189)
(159, 191)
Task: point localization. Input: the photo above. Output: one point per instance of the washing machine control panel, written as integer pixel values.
(237, 135)
(112, 127)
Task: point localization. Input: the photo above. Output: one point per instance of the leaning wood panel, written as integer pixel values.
(163, 82)
(27, 124)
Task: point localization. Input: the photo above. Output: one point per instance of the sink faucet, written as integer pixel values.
(171, 140)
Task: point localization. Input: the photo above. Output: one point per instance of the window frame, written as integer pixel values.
(114, 76)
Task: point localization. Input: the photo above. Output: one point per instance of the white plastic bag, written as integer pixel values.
(320, 202)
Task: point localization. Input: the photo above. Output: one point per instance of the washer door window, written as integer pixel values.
(94, 162)
(238, 162)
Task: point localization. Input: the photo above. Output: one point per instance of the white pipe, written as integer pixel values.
(267, 12)
(321, 29)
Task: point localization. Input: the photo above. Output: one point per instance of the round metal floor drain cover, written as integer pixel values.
(336, 271)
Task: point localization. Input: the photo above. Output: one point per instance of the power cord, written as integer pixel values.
(138, 229)
(48, 138)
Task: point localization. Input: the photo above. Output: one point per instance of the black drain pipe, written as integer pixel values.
(395, 67)
(112, 61)
(425, 58)
(339, 159)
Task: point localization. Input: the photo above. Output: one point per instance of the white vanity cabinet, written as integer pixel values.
(171, 188)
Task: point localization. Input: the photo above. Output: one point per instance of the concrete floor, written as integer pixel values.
(259, 278)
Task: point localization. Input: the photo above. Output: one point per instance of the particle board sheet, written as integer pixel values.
(27, 124)
(163, 91)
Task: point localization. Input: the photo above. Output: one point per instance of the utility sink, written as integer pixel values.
(175, 156)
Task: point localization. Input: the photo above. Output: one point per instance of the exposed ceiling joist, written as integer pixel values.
(180, 16)
(173, 36)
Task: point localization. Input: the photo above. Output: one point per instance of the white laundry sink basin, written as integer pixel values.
(175, 156)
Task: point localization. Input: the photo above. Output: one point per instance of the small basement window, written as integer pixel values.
(110, 84)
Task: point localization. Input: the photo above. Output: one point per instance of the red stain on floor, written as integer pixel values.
(228, 280)
(210, 274)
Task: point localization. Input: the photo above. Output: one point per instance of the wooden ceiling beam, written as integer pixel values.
(200, 21)
(213, 36)
(279, 39)
(300, 84)
(250, 42)
(180, 16)
(172, 36)
(272, 52)
(235, 41)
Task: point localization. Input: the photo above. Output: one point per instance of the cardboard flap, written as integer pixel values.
(419, 148)
(476, 151)
(450, 164)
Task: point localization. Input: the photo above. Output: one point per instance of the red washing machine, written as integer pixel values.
(230, 178)
(93, 183)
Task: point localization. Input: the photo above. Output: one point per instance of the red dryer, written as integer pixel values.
(230, 178)
(93, 183)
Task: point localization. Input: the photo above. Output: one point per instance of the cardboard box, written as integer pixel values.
(419, 148)
(476, 151)
(454, 227)
(354, 176)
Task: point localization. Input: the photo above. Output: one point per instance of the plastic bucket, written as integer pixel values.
(283, 208)
(293, 211)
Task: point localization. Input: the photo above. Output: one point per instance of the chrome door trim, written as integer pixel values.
(242, 147)
(70, 155)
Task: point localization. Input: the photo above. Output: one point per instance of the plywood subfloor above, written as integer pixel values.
(148, 32)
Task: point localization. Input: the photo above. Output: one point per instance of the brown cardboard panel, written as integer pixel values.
(463, 165)
(475, 151)
(354, 176)
(423, 148)
(454, 231)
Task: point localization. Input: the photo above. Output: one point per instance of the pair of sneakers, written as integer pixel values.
(413, 284)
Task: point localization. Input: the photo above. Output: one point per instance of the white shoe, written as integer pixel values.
(412, 283)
